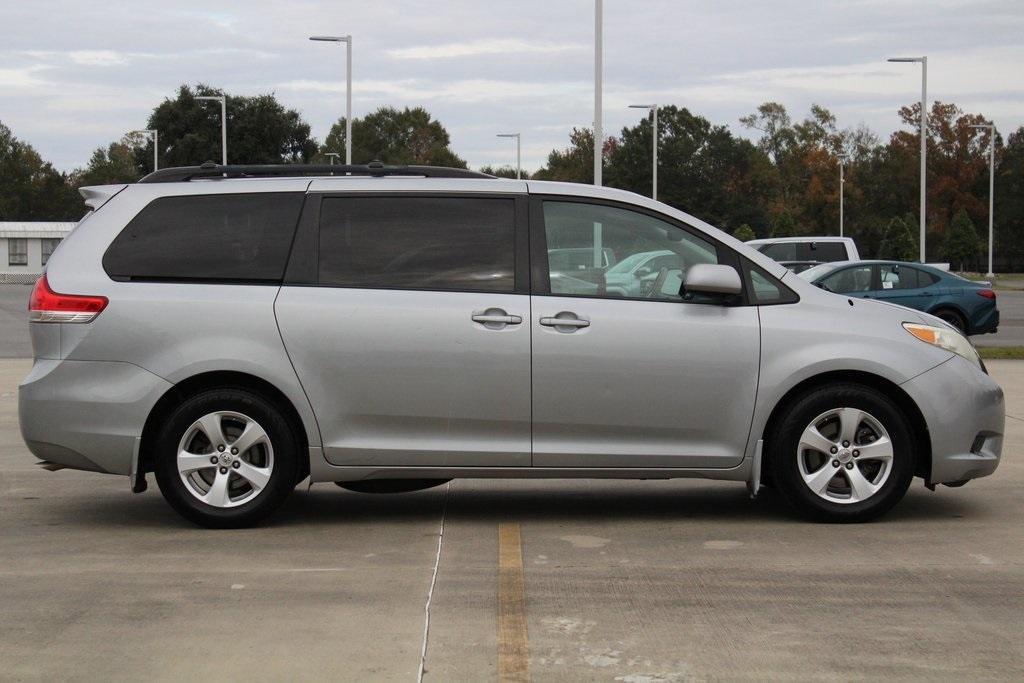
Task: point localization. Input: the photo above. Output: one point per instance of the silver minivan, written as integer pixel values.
(236, 330)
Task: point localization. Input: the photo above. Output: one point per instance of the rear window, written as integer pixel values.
(449, 243)
(781, 251)
(231, 237)
(828, 251)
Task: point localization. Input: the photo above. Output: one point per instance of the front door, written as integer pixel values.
(414, 344)
(626, 373)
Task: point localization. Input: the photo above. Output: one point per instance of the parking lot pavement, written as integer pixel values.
(555, 580)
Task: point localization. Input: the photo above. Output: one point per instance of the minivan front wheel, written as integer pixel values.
(225, 458)
(843, 453)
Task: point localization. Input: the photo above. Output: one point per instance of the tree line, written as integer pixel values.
(782, 181)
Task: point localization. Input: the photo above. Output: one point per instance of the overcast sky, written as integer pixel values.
(78, 75)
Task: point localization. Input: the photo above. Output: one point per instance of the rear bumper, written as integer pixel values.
(963, 408)
(986, 322)
(87, 415)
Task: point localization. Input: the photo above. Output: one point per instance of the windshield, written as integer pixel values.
(818, 271)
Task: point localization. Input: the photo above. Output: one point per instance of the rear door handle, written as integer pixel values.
(566, 321)
(495, 318)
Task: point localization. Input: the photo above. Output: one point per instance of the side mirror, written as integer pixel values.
(711, 278)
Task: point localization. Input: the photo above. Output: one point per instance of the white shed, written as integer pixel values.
(25, 248)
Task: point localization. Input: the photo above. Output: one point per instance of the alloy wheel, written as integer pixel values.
(225, 459)
(845, 455)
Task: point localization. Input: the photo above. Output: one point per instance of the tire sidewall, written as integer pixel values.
(282, 439)
(785, 467)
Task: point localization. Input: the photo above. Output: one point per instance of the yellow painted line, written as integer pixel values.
(513, 644)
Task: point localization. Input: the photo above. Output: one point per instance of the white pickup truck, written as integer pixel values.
(801, 253)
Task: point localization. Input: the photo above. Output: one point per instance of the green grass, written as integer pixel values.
(1001, 352)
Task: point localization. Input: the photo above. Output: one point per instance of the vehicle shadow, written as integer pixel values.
(490, 501)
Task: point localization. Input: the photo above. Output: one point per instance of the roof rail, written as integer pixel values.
(374, 168)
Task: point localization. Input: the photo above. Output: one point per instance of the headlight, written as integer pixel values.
(945, 338)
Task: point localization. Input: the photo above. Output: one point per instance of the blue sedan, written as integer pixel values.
(966, 305)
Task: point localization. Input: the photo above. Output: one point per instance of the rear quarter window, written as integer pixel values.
(227, 237)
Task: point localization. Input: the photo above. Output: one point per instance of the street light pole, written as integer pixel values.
(991, 128)
(654, 146)
(598, 75)
(223, 124)
(924, 136)
(348, 88)
(155, 137)
(842, 186)
(519, 164)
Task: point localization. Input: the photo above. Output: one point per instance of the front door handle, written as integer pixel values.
(495, 318)
(565, 321)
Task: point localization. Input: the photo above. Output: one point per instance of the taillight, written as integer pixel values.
(987, 293)
(47, 306)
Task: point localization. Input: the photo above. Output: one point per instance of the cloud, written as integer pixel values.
(481, 47)
(98, 57)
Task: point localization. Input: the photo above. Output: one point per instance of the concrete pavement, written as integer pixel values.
(628, 581)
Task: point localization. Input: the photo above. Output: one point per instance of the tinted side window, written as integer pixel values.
(926, 279)
(826, 252)
(765, 289)
(234, 237)
(782, 251)
(454, 243)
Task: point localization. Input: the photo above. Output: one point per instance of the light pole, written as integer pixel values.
(924, 134)
(223, 124)
(153, 135)
(332, 156)
(519, 163)
(842, 185)
(598, 57)
(654, 156)
(991, 128)
(348, 88)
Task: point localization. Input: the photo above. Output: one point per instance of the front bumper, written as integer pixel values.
(963, 408)
(87, 415)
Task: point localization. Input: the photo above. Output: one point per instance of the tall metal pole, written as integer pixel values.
(654, 145)
(924, 153)
(654, 168)
(991, 195)
(924, 141)
(223, 124)
(348, 101)
(156, 149)
(519, 164)
(348, 88)
(598, 57)
(223, 130)
(842, 183)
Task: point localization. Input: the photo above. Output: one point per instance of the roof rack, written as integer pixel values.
(374, 168)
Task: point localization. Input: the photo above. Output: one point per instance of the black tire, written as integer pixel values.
(785, 467)
(953, 318)
(284, 472)
(391, 485)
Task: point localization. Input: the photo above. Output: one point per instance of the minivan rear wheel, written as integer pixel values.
(843, 453)
(226, 458)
